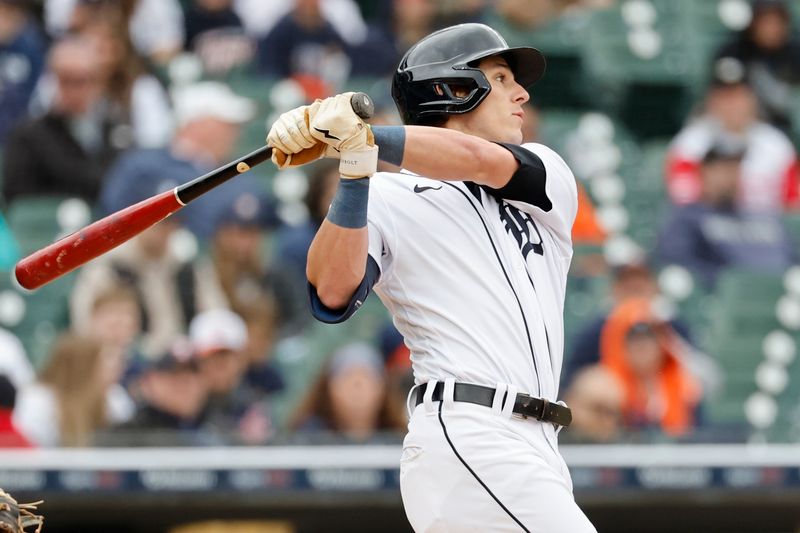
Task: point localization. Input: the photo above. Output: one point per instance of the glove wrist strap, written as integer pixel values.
(358, 164)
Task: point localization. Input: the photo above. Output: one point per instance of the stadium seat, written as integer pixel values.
(646, 76)
(646, 199)
(300, 359)
(36, 317)
(564, 85)
(34, 221)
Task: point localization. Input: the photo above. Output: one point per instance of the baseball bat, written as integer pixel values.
(80, 247)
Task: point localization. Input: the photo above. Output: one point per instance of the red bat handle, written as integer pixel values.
(95, 239)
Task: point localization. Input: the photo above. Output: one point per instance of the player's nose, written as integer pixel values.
(519, 95)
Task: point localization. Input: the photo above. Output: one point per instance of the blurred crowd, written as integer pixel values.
(113, 101)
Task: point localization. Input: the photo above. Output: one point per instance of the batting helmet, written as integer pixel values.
(422, 84)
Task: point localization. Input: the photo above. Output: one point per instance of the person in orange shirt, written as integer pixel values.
(645, 355)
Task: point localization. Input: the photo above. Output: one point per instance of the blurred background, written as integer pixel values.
(179, 384)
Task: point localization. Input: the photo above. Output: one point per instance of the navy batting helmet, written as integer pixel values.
(422, 85)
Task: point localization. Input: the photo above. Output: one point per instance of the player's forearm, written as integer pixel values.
(337, 262)
(445, 154)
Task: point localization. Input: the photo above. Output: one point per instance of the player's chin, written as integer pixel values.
(513, 136)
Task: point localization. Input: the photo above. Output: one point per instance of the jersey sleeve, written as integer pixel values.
(544, 187)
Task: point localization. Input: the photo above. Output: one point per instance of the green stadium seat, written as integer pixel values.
(564, 84)
(646, 197)
(44, 313)
(301, 359)
(650, 90)
(34, 221)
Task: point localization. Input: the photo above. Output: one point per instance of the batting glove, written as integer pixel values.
(338, 126)
(291, 141)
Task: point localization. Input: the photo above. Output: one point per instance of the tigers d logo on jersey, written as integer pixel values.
(519, 225)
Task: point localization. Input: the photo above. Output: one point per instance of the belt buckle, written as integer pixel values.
(524, 404)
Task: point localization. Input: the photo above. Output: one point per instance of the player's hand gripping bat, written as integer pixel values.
(76, 249)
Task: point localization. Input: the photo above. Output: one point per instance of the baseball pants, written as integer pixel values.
(469, 468)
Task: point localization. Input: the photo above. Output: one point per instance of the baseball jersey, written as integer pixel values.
(474, 283)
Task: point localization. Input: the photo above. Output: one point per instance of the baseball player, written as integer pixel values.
(468, 247)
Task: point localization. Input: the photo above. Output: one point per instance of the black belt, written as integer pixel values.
(524, 405)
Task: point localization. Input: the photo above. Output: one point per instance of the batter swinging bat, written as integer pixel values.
(76, 249)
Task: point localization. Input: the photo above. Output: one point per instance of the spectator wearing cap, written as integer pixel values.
(716, 233)
(770, 53)
(171, 400)
(209, 117)
(69, 149)
(235, 273)
(22, 54)
(641, 352)
(219, 341)
(350, 398)
(769, 177)
(631, 280)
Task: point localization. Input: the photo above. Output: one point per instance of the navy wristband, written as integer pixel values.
(349, 206)
(391, 141)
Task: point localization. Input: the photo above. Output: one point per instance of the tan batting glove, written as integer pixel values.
(338, 126)
(291, 141)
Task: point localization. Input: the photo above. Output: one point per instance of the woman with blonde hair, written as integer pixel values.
(76, 394)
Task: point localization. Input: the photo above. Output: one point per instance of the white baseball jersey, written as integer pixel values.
(476, 285)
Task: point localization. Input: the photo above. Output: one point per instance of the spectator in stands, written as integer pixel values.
(163, 282)
(68, 150)
(262, 378)
(219, 340)
(22, 54)
(171, 399)
(216, 34)
(205, 15)
(640, 350)
(236, 275)
(350, 397)
(76, 394)
(155, 26)
(116, 321)
(345, 16)
(769, 178)
(304, 45)
(631, 280)
(596, 398)
(770, 53)
(136, 99)
(10, 436)
(209, 117)
(715, 233)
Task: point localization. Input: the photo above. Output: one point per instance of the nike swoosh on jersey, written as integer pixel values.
(327, 134)
(418, 189)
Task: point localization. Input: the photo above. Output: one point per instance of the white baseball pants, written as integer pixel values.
(469, 468)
